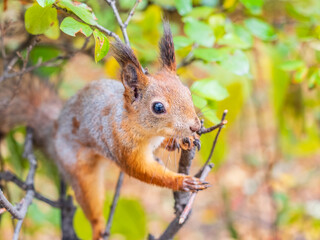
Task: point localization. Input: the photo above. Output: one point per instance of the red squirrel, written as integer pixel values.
(123, 122)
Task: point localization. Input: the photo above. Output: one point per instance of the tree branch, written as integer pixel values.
(20, 211)
(188, 59)
(67, 214)
(14, 210)
(11, 177)
(50, 63)
(113, 205)
(131, 13)
(188, 206)
(112, 4)
(214, 142)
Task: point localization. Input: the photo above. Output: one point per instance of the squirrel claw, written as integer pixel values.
(186, 141)
(172, 144)
(177, 146)
(197, 143)
(192, 184)
(189, 143)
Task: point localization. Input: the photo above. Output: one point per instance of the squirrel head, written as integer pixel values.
(159, 103)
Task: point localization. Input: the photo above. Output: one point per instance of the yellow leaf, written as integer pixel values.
(111, 68)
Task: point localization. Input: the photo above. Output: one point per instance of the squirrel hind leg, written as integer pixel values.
(86, 178)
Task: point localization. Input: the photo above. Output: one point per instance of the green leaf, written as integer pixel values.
(101, 45)
(281, 199)
(292, 65)
(260, 29)
(38, 19)
(237, 63)
(71, 27)
(198, 101)
(211, 115)
(211, 54)
(16, 151)
(81, 225)
(300, 74)
(53, 32)
(218, 24)
(202, 12)
(79, 9)
(45, 3)
(134, 227)
(181, 42)
(238, 38)
(45, 53)
(41, 217)
(199, 32)
(254, 6)
(209, 89)
(244, 35)
(314, 79)
(183, 6)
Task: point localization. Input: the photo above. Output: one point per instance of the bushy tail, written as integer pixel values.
(30, 102)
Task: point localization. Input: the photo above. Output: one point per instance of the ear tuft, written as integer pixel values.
(166, 46)
(132, 76)
(124, 55)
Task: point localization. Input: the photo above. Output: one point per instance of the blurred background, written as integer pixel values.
(257, 58)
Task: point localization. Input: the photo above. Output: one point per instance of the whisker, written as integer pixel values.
(162, 156)
(169, 141)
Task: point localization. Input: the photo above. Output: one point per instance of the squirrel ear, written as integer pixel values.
(166, 46)
(132, 75)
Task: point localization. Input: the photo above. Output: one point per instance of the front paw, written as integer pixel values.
(192, 184)
(171, 144)
(190, 142)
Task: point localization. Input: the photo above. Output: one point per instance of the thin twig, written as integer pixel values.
(107, 32)
(14, 210)
(28, 153)
(2, 46)
(210, 129)
(113, 205)
(131, 13)
(188, 59)
(20, 211)
(67, 214)
(50, 63)
(188, 207)
(112, 4)
(11, 177)
(214, 143)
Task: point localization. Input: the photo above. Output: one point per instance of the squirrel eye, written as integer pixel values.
(158, 108)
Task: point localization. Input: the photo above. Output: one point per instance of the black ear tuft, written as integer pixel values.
(132, 75)
(124, 55)
(166, 46)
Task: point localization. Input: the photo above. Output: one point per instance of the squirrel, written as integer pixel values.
(123, 122)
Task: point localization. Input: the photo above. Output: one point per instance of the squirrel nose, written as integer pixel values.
(194, 129)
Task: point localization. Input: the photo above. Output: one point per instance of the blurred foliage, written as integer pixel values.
(260, 53)
(129, 220)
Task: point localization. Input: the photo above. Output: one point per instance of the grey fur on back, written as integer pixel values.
(88, 116)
